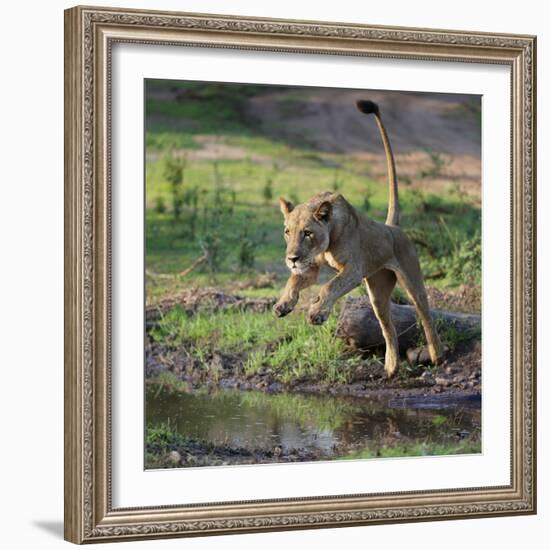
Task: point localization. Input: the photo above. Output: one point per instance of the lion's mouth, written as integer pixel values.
(298, 269)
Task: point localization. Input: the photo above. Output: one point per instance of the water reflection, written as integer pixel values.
(292, 421)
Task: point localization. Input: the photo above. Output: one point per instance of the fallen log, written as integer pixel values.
(358, 326)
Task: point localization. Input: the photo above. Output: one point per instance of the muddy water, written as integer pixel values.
(325, 424)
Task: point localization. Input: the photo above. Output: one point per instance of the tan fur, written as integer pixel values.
(328, 231)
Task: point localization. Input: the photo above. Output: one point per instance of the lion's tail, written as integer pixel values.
(369, 107)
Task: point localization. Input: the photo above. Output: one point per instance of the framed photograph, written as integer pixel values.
(300, 274)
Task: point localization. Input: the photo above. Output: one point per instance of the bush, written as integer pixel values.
(173, 172)
(465, 263)
(267, 191)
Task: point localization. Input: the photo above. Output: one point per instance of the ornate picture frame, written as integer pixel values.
(90, 34)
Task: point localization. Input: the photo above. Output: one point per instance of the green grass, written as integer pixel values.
(161, 438)
(449, 244)
(293, 349)
(167, 140)
(204, 108)
(232, 206)
(452, 337)
(469, 446)
(168, 381)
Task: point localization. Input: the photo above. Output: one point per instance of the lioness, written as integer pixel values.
(327, 230)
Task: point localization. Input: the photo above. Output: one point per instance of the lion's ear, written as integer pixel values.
(324, 211)
(286, 206)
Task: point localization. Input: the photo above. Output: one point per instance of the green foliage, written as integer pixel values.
(337, 181)
(173, 172)
(451, 337)
(160, 205)
(211, 244)
(470, 109)
(294, 349)
(207, 108)
(267, 190)
(439, 420)
(168, 381)
(398, 296)
(465, 261)
(293, 197)
(366, 200)
(191, 199)
(468, 446)
(161, 438)
(173, 169)
(169, 140)
(405, 371)
(249, 244)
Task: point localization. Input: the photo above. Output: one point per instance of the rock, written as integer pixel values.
(440, 381)
(275, 387)
(360, 373)
(174, 457)
(427, 377)
(418, 356)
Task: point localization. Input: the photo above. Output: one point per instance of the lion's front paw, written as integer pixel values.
(282, 308)
(317, 316)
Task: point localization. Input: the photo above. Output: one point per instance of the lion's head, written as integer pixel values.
(307, 231)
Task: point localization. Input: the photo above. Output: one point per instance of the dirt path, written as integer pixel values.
(328, 120)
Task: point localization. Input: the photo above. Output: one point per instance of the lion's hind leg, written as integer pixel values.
(411, 280)
(379, 287)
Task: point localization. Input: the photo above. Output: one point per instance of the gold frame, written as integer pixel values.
(89, 35)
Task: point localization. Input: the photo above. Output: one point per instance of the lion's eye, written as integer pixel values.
(287, 231)
(308, 234)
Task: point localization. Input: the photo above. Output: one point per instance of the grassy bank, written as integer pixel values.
(244, 345)
(425, 448)
(291, 349)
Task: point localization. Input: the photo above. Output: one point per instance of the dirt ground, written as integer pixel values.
(458, 377)
(328, 120)
(196, 453)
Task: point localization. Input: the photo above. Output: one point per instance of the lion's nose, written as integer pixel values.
(293, 259)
